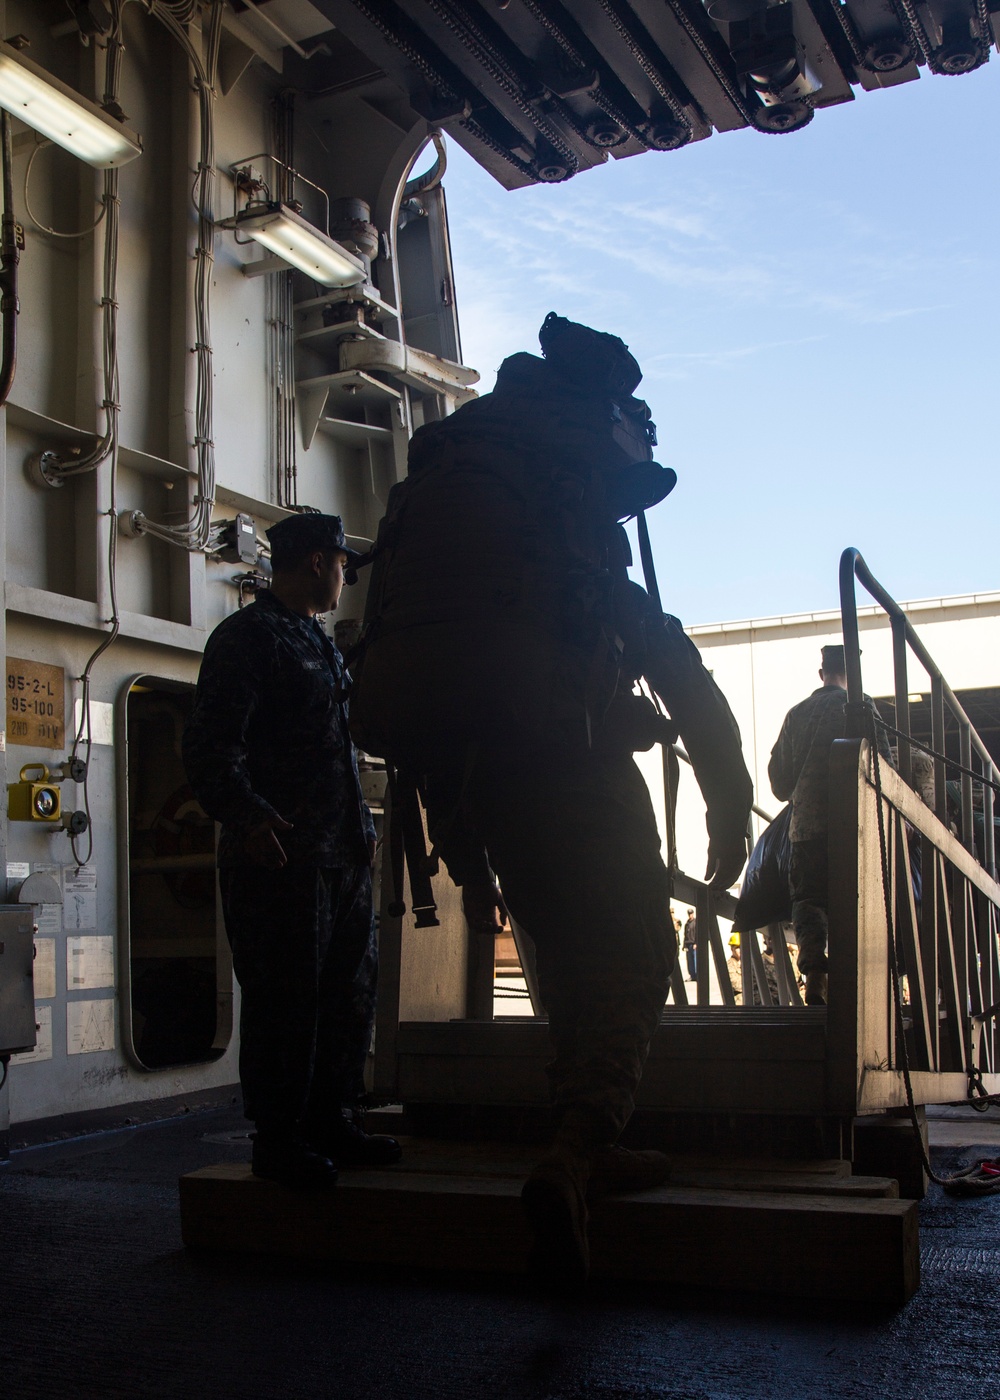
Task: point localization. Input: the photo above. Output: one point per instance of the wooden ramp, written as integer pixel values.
(805, 1231)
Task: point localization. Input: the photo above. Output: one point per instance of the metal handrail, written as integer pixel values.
(853, 566)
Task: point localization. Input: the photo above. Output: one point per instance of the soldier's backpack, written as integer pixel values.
(500, 566)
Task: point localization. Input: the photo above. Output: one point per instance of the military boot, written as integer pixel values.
(555, 1203)
(816, 988)
(619, 1170)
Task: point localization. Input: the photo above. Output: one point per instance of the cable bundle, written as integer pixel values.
(173, 14)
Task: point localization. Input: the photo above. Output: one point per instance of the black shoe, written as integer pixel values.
(291, 1162)
(347, 1144)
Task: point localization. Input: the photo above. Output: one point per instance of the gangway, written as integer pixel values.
(808, 1196)
(439, 1046)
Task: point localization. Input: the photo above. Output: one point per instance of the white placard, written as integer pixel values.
(43, 1039)
(44, 968)
(80, 896)
(90, 1026)
(18, 870)
(102, 721)
(48, 918)
(90, 962)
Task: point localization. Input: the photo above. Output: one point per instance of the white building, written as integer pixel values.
(766, 665)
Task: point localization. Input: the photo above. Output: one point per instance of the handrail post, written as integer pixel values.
(852, 645)
(965, 758)
(989, 832)
(904, 762)
(937, 743)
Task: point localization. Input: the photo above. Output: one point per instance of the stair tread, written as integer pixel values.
(793, 1243)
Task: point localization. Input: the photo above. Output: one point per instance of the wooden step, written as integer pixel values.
(831, 1177)
(765, 1060)
(788, 1242)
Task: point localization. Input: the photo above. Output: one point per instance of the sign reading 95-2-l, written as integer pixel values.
(36, 704)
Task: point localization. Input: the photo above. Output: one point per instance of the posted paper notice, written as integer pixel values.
(80, 896)
(90, 1026)
(90, 962)
(45, 968)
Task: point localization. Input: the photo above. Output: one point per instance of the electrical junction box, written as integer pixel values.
(238, 541)
(17, 981)
(246, 539)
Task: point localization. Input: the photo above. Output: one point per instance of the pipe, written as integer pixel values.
(282, 34)
(432, 177)
(9, 258)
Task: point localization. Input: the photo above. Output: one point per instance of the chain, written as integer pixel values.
(906, 12)
(983, 20)
(850, 34)
(913, 28)
(982, 1100)
(718, 72)
(469, 34)
(625, 26)
(599, 94)
(376, 16)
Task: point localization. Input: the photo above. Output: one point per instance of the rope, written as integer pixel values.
(981, 1179)
(951, 762)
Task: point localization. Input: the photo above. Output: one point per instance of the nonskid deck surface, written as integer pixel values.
(107, 1303)
(795, 1229)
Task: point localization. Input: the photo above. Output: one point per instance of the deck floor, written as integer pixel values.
(102, 1302)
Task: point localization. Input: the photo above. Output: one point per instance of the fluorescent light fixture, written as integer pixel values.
(300, 243)
(55, 110)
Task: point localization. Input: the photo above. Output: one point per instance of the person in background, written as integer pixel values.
(734, 965)
(268, 754)
(691, 945)
(799, 772)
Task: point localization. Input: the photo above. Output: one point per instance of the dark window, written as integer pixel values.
(178, 971)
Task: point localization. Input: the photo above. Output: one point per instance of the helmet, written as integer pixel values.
(734, 940)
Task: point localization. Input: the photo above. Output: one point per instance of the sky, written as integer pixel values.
(817, 318)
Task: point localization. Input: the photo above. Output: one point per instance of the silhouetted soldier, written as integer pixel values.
(268, 753)
(503, 641)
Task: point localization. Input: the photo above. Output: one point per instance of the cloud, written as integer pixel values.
(670, 364)
(701, 272)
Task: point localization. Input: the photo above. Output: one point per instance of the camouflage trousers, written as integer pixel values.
(304, 953)
(808, 884)
(575, 847)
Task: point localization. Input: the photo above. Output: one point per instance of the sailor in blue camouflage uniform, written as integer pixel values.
(799, 772)
(268, 753)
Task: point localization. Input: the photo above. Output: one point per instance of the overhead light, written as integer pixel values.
(61, 114)
(297, 242)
